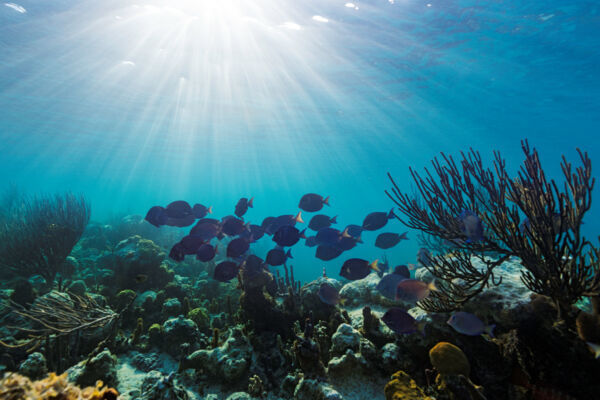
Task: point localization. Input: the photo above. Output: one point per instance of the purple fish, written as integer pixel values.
(328, 236)
(402, 322)
(242, 206)
(201, 211)
(287, 236)
(157, 216)
(177, 252)
(233, 226)
(312, 202)
(471, 226)
(180, 222)
(191, 244)
(178, 209)
(469, 324)
(377, 220)
(206, 252)
(206, 228)
(328, 294)
(388, 284)
(326, 253)
(311, 241)
(321, 221)
(413, 290)
(354, 230)
(388, 240)
(402, 270)
(226, 271)
(278, 256)
(237, 247)
(357, 268)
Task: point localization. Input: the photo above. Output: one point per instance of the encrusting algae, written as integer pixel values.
(54, 387)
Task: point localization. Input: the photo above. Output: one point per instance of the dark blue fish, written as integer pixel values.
(157, 216)
(226, 271)
(253, 233)
(401, 322)
(402, 270)
(206, 229)
(354, 230)
(311, 241)
(326, 253)
(278, 256)
(357, 268)
(321, 221)
(178, 209)
(424, 257)
(237, 247)
(388, 284)
(266, 225)
(242, 206)
(328, 236)
(312, 202)
(201, 211)
(328, 294)
(377, 220)
(347, 242)
(206, 252)
(191, 244)
(388, 240)
(471, 226)
(181, 222)
(177, 252)
(233, 226)
(287, 236)
(283, 220)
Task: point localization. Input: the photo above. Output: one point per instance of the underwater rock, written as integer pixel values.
(171, 307)
(136, 257)
(346, 337)
(402, 387)
(101, 367)
(364, 291)
(347, 364)
(391, 359)
(240, 396)
(229, 361)
(34, 367)
(448, 359)
(200, 317)
(144, 300)
(313, 389)
(77, 287)
(158, 386)
(145, 361)
(310, 301)
(177, 331)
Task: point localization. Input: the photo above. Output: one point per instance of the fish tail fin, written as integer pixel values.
(333, 220)
(326, 200)
(288, 254)
(373, 265)
(345, 233)
(432, 286)
(209, 210)
(343, 301)
(251, 202)
(391, 214)
(404, 236)
(359, 240)
(298, 217)
(595, 348)
(489, 330)
(303, 233)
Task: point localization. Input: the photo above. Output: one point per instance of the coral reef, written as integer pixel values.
(54, 387)
(402, 387)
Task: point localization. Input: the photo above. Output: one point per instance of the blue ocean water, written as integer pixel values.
(140, 103)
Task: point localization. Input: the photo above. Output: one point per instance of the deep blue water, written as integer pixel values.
(141, 103)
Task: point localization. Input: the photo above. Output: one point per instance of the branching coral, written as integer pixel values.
(37, 237)
(530, 217)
